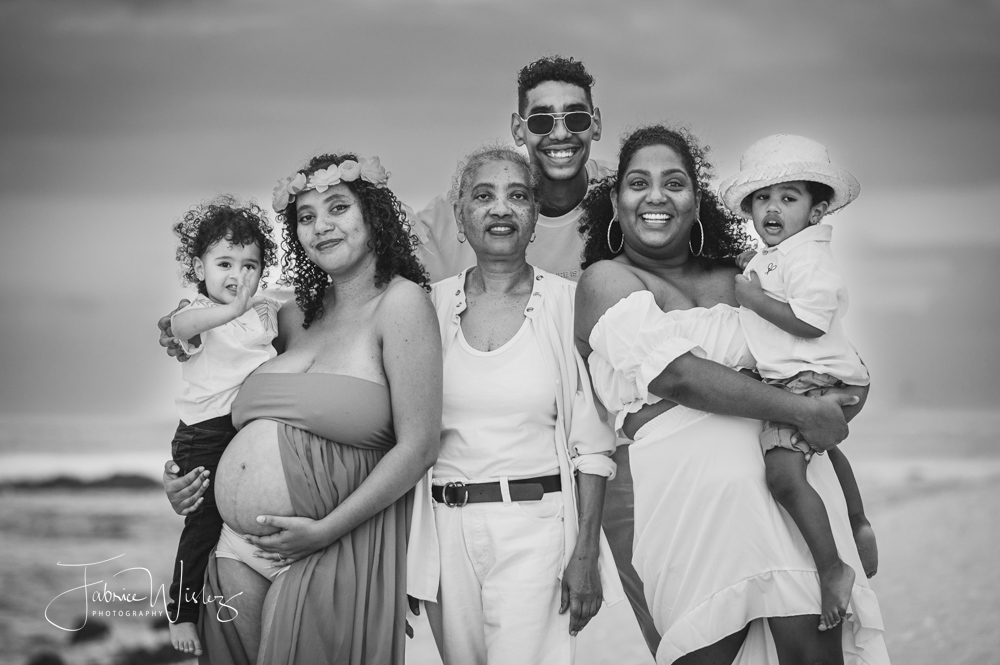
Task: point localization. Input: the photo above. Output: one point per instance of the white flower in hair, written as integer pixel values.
(323, 179)
(372, 171)
(349, 170)
(286, 190)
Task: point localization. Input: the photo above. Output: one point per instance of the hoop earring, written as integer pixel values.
(532, 238)
(461, 236)
(701, 245)
(622, 244)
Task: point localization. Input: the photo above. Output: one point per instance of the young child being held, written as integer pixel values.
(793, 299)
(225, 249)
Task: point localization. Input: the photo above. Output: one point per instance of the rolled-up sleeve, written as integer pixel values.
(591, 440)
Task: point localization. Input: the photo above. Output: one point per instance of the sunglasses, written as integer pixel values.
(541, 124)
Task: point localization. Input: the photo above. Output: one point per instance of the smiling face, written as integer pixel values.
(331, 227)
(656, 201)
(224, 265)
(560, 154)
(782, 210)
(497, 210)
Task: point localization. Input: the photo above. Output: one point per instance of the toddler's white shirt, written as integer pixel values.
(226, 357)
(801, 271)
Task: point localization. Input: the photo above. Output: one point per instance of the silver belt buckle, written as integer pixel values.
(454, 485)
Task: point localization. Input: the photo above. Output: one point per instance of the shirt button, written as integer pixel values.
(458, 293)
(530, 309)
(539, 277)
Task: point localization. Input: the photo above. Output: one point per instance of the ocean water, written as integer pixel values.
(930, 478)
(87, 448)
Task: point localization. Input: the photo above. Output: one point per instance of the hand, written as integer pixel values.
(748, 289)
(244, 290)
(581, 591)
(414, 604)
(184, 492)
(850, 410)
(824, 426)
(296, 538)
(167, 339)
(743, 259)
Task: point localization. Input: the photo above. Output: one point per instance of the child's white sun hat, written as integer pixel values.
(785, 158)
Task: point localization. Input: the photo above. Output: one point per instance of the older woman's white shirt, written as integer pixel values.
(584, 442)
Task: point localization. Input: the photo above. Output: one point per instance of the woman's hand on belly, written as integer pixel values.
(296, 538)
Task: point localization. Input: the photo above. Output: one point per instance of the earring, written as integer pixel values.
(701, 245)
(622, 244)
(461, 236)
(532, 238)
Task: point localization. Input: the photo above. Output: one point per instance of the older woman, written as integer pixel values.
(518, 486)
(657, 320)
(333, 433)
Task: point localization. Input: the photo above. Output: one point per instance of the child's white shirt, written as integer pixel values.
(225, 358)
(801, 271)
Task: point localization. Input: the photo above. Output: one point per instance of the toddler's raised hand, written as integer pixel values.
(244, 290)
(744, 258)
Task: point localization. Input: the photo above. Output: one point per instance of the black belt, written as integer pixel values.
(526, 489)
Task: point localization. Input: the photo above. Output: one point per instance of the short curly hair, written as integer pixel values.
(390, 240)
(725, 234)
(224, 218)
(552, 68)
(486, 154)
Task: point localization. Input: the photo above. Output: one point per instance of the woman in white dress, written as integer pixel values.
(657, 319)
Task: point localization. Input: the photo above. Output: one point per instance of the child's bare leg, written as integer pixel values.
(786, 479)
(864, 536)
(184, 637)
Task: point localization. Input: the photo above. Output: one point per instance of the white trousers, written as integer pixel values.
(500, 591)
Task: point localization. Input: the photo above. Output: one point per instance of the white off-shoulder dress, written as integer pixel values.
(714, 550)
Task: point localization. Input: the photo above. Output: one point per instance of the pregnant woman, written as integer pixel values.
(658, 321)
(333, 434)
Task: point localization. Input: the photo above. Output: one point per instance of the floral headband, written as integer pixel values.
(348, 171)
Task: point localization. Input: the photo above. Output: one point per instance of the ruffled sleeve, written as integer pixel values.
(633, 342)
(187, 347)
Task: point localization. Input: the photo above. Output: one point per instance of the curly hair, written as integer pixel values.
(486, 154)
(224, 218)
(552, 68)
(725, 234)
(390, 240)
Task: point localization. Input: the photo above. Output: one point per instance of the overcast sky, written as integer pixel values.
(118, 116)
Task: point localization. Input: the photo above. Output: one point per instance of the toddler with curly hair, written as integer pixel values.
(225, 249)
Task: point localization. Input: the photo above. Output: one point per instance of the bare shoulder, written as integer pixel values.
(600, 287)
(290, 317)
(604, 283)
(404, 302)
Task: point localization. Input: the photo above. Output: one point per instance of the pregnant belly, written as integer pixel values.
(250, 480)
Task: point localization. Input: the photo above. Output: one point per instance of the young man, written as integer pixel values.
(556, 121)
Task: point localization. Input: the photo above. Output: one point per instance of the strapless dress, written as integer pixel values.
(347, 602)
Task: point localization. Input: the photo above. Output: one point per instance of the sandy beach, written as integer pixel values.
(931, 494)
